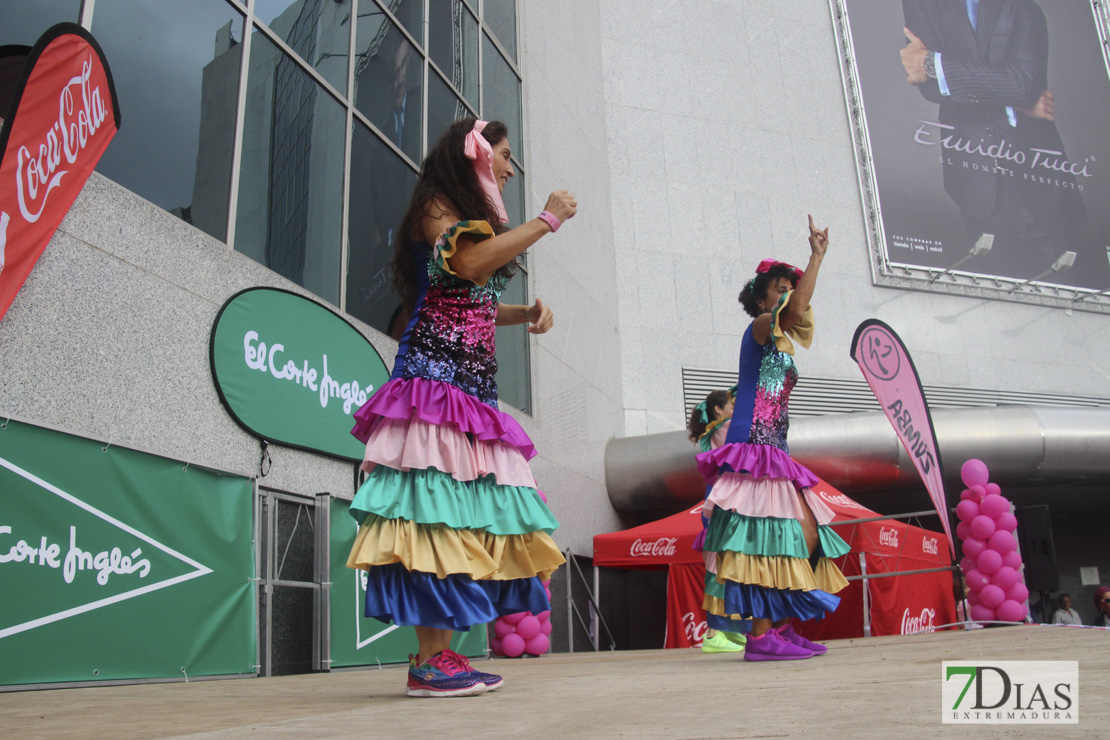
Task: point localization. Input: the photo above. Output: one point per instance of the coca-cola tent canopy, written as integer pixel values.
(668, 541)
(898, 604)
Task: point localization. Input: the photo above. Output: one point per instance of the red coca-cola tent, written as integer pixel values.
(899, 604)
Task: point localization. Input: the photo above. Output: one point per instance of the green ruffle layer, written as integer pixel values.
(433, 497)
(712, 587)
(769, 536)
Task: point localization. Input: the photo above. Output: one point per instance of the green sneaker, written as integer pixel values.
(736, 638)
(718, 643)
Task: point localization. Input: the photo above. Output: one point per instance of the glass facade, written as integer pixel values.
(303, 154)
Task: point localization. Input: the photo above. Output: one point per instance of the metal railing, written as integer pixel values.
(573, 613)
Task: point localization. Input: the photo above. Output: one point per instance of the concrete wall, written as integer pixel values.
(109, 338)
(726, 125)
(577, 374)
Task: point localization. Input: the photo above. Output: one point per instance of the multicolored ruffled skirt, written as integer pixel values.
(451, 529)
(755, 543)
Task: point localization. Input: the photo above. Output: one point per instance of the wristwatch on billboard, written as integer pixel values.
(931, 64)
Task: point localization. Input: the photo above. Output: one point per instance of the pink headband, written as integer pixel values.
(478, 149)
(767, 264)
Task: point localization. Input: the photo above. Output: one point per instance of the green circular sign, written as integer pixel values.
(293, 372)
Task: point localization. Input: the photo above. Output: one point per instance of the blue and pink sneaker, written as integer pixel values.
(492, 681)
(442, 675)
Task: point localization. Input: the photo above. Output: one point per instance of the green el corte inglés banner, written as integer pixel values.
(357, 639)
(293, 372)
(120, 565)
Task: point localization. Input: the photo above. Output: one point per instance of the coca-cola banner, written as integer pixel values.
(63, 114)
(890, 373)
(664, 542)
(686, 623)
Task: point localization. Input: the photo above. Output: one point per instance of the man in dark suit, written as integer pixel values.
(985, 63)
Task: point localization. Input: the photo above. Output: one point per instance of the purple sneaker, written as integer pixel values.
(772, 646)
(793, 637)
(492, 681)
(440, 675)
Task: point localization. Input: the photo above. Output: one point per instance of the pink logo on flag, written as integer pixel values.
(885, 363)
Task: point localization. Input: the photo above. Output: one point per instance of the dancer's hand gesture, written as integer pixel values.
(818, 239)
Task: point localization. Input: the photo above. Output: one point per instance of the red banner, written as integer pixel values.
(63, 114)
(889, 371)
(686, 623)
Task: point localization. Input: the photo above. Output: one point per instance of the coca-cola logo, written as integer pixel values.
(4, 219)
(929, 545)
(921, 623)
(37, 172)
(695, 629)
(839, 499)
(62, 115)
(888, 537)
(662, 547)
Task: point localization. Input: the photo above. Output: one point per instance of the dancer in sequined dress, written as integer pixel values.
(769, 533)
(452, 531)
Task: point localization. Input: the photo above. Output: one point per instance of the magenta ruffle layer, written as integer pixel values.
(438, 402)
(758, 460)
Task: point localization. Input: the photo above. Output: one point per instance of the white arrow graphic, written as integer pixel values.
(200, 570)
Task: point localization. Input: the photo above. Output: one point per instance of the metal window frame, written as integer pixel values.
(345, 98)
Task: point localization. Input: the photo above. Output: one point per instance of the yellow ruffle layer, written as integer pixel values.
(438, 549)
(713, 605)
(801, 332)
(780, 572)
(449, 246)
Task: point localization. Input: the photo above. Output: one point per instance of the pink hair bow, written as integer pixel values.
(767, 264)
(478, 149)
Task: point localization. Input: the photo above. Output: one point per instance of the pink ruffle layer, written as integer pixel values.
(437, 402)
(710, 561)
(413, 444)
(764, 497)
(761, 461)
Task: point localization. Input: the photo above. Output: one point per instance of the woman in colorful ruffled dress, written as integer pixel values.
(768, 531)
(452, 532)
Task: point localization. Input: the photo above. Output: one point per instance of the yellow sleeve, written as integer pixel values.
(447, 245)
(801, 332)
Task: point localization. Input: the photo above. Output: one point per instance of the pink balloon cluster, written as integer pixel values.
(991, 564)
(523, 632)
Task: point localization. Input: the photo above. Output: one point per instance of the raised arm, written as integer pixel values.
(795, 309)
(799, 302)
(477, 264)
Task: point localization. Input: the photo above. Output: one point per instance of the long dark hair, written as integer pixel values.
(447, 174)
(705, 414)
(756, 289)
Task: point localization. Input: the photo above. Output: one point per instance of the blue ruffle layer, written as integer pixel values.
(411, 598)
(724, 624)
(775, 604)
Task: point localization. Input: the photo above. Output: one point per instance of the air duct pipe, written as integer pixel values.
(1021, 445)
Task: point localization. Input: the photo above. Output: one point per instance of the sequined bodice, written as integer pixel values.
(451, 335)
(770, 417)
(767, 375)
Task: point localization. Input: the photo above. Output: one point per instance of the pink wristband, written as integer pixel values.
(551, 221)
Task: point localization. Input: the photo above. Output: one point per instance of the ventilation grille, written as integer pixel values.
(821, 396)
